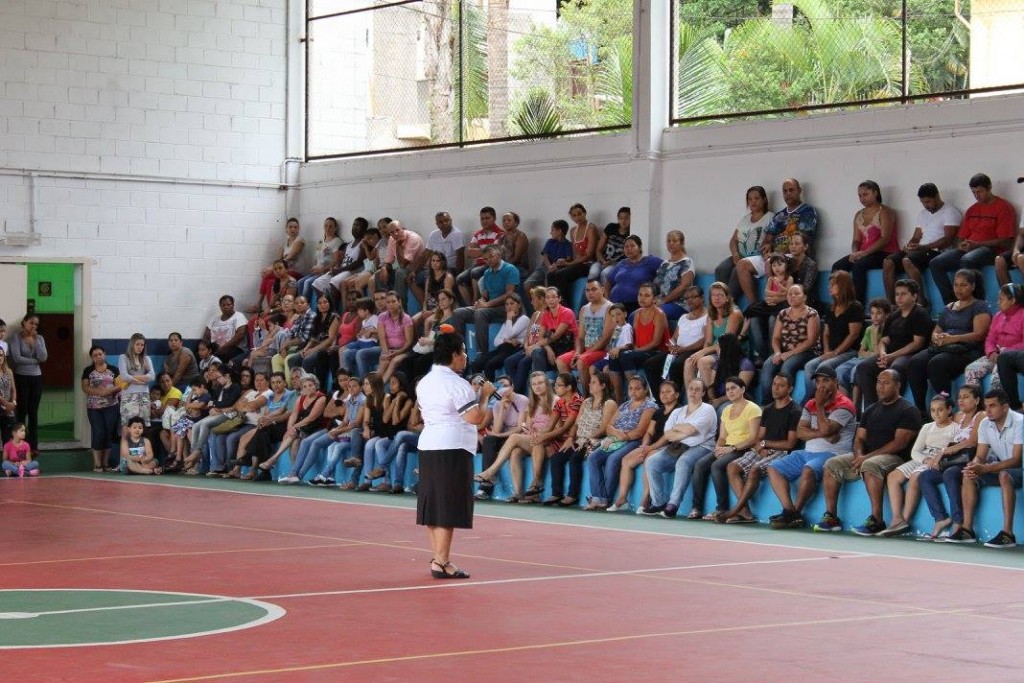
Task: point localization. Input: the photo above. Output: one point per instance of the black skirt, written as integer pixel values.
(445, 497)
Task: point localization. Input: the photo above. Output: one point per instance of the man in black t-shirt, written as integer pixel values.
(777, 437)
(906, 331)
(882, 444)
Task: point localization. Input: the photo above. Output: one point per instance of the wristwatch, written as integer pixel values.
(763, 444)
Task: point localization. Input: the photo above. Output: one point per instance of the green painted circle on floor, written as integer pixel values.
(75, 617)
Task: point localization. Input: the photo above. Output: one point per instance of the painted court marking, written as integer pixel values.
(182, 615)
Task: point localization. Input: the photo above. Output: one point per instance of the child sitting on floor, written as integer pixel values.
(137, 451)
(18, 455)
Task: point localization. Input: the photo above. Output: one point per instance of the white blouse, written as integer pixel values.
(444, 398)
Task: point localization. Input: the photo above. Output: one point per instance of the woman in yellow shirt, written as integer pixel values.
(739, 426)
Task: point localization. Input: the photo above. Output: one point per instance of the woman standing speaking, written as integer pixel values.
(451, 410)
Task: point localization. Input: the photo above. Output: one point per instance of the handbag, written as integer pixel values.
(229, 425)
(956, 349)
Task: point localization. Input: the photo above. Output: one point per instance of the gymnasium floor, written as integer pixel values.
(111, 578)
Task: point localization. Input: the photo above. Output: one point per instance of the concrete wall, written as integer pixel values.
(697, 182)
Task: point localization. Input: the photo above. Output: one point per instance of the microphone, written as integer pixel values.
(1020, 180)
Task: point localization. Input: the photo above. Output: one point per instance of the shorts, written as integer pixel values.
(758, 262)
(911, 467)
(587, 358)
(840, 467)
(992, 478)
(750, 459)
(792, 466)
(919, 257)
(135, 405)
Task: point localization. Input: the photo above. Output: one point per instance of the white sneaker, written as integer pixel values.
(288, 480)
(615, 508)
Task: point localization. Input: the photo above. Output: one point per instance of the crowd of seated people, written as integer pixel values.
(645, 331)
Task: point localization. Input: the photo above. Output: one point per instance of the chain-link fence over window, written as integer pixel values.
(756, 58)
(392, 75)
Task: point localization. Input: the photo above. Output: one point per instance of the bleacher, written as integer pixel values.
(853, 505)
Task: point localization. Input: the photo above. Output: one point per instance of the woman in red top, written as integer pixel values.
(583, 236)
(874, 237)
(558, 335)
(306, 418)
(650, 337)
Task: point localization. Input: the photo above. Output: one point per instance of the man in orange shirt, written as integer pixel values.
(987, 229)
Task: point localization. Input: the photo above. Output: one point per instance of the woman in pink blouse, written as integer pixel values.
(558, 335)
(1006, 333)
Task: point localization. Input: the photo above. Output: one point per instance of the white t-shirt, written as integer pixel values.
(444, 398)
(750, 233)
(221, 331)
(933, 224)
(1001, 442)
(447, 245)
(690, 331)
(704, 420)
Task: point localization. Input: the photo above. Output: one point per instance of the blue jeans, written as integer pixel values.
(813, 364)
(603, 467)
(374, 452)
(953, 260)
(952, 478)
(358, 355)
(12, 467)
(340, 450)
(397, 455)
(309, 453)
(305, 287)
(518, 366)
(790, 366)
(223, 447)
(201, 430)
(660, 463)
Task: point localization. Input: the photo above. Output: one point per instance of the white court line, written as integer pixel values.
(399, 589)
(555, 577)
(576, 525)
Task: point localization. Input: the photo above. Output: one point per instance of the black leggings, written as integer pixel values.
(30, 392)
(557, 462)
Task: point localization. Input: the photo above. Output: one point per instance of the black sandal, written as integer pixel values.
(443, 573)
(534, 491)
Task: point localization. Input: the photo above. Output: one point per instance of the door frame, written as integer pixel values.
(82, 334)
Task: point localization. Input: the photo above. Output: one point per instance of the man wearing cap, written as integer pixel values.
(881, 445)
(827, 426)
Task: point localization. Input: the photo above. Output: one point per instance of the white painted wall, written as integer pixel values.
(697, 183)
(157, 131)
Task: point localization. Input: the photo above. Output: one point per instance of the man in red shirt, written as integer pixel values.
(488, 234)
(987, 229)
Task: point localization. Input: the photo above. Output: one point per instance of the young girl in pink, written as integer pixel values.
(18, 455)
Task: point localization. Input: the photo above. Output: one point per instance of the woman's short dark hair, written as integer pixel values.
(636, 240)
(735, 380)
(446, 346)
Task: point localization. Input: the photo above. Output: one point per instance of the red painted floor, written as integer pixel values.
(546, 602)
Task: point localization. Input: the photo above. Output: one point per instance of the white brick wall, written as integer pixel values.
(184, 89)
